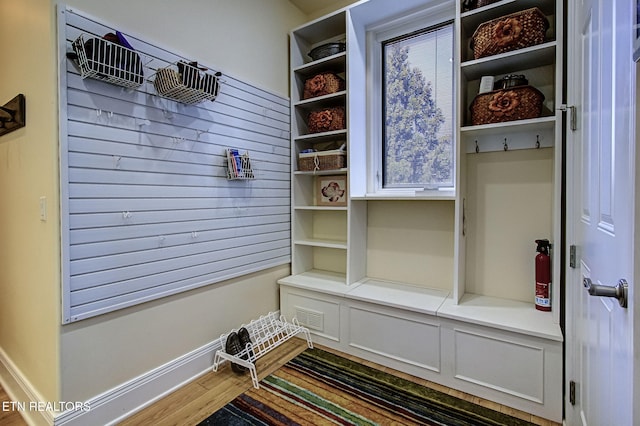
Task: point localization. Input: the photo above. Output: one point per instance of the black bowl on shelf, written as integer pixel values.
(511, 80)
(327, 49)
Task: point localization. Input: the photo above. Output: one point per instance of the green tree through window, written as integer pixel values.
(418, 112)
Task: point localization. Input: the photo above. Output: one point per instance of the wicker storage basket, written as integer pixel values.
(511, 32)
(322, 84)
(322, 160)
(516, 103)
(326, 120)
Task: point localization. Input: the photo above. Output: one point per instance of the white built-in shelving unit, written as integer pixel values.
(319, 232)
(439, 284)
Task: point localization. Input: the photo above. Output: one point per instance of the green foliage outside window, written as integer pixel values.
(418, 145)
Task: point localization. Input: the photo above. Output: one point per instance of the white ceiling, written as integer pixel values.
(311, 6)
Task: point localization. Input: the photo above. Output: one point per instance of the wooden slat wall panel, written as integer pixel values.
(147, 209)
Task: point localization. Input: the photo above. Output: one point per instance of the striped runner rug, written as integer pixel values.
(320, 388)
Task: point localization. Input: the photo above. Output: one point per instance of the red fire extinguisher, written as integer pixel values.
(543, 276)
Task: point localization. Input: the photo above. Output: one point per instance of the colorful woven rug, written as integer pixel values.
(320, 388)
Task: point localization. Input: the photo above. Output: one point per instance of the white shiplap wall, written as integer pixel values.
(147, 210)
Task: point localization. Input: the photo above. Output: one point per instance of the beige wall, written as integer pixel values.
(29, 249)
(244, 38)
(102, 352)
(411, 242)
(505, 190)
(338, 4)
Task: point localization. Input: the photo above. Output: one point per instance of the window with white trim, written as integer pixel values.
(413, 93)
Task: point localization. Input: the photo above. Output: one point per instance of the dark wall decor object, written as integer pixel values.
(12, 115)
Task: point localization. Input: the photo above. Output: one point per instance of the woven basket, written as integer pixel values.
(511, 32)
(326, 120)
(322, 84)
(322, 160)
(498, 106)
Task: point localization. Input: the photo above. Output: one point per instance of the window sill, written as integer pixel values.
(432, 194)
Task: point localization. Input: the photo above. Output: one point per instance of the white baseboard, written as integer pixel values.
(118, 403)
(21, 390)
(115, 404)
(122, 401)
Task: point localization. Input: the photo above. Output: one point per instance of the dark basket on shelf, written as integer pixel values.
(326, 120)
(498, 106)
(510, 32)
(322, 84)
(327, 49)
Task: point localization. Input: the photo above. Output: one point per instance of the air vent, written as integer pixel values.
(310, 319)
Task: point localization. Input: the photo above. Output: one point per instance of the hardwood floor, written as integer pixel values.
(8, 416)
(195, 401)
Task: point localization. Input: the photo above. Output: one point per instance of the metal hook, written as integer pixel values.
(477, 147)
(505, 147)
(537, 141)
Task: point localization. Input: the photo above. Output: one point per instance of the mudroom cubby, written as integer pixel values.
(411, 242)
(437, 283)
(510, 172)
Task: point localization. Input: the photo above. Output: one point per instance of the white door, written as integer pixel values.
(600, 202)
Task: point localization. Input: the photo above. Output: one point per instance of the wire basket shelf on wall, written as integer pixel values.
(238, 165)
(187, 83)
(104, 60)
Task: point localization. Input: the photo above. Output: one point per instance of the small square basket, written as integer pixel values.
(322, 84)
(334, 159)
(326, 120)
